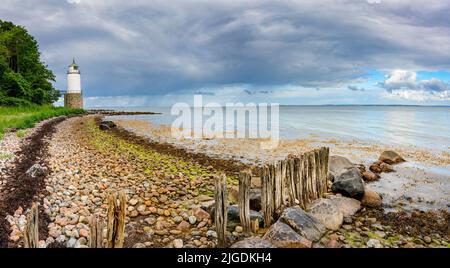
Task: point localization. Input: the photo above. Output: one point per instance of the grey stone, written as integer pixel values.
(348, 206)
(339, 164)
(253, 242)
(349, 183)
(327, 213)
(282, 236)
(303, 223)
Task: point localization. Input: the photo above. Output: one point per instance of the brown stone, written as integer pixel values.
(371, 199)
(200, 214)
(370, 176)
(391, 157)
(375, 167)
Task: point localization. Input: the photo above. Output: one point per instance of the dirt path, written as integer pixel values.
(21, 187)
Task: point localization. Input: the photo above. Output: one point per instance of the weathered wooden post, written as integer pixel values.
(244, 199)
(221, 213)
(96, 233)
(267, 201)
(31, 232)
(116, 220)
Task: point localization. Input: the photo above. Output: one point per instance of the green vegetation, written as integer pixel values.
(26, 117)
(24, 78)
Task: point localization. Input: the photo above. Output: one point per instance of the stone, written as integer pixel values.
(72, 242)
(192, 220)
(200, 214)
(303, 223)
(234, 219)
(239, 229)
(178, 243)
(233, 195)
(36, 170)
(183, 226)
(427, 239)
(347, 206)
(256, 182)
(253, 242)
(391, 158)
(84, 233)
(177, 219)
(333, 243)
(211, 233)
(133, 202)
(283, 236)
(327, 213)
(338, 165)
(375, 168)
(54, 232)
(370, 176)
(386, 168)
(255, 199)
(349, 183)
(139, 245)
(374, 243)
(371, 199)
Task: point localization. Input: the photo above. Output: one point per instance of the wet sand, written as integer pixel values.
(423, 182)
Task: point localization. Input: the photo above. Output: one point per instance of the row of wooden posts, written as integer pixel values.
(115, 225)
(296, 180)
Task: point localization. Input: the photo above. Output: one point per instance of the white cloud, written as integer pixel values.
(74, 2)
(417, 95)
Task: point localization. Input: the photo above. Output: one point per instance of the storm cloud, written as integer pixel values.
(166, 47)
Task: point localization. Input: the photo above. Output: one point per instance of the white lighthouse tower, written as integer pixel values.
(74, 95)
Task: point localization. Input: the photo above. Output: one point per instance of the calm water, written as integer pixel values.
(425, 127)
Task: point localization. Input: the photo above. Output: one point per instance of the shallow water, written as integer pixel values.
(424, 127)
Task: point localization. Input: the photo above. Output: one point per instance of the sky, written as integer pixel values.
(140, 52)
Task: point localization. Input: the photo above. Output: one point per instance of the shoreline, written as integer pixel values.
(166, 186)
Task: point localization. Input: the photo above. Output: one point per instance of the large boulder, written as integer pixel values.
(349, 183)
(339, 164)
(327, 213)
(347, 206)
(391, 158)
(107, 125)
(282, 236)
(371, 199)
(253, 242)
(303, 223)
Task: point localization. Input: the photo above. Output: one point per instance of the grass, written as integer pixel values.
(26, 117)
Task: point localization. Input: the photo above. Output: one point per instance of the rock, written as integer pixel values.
(333, 243)
(233, 195)
(349, 183)
(133, 202)
(200, 214)
(255, 199)
(370, 176)
(211, 233)
(139, 245)
(72, 242)
(386, 168)
(84, 233)
(239, 229)
(177, 219)
(391, 158)
(282, 236)
(338, 165)
(303, 223)
(256, 182)
(54, 232)
(253, 242)
(374, 243)
(107, 125)
(234, 219)
(183, 226)
(375, 168)
(192, 220)
(178, 243)
(36, 170)
(427, 239)
(371, 199)
(327, 213)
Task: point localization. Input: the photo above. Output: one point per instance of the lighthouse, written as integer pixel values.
(74, 95)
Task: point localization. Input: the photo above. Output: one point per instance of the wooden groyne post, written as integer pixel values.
(297, 180)
(221, 213)
(31, 232)
(96, 233)
(244, 200)
(116, 220)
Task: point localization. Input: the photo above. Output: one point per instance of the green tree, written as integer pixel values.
(23, 76)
